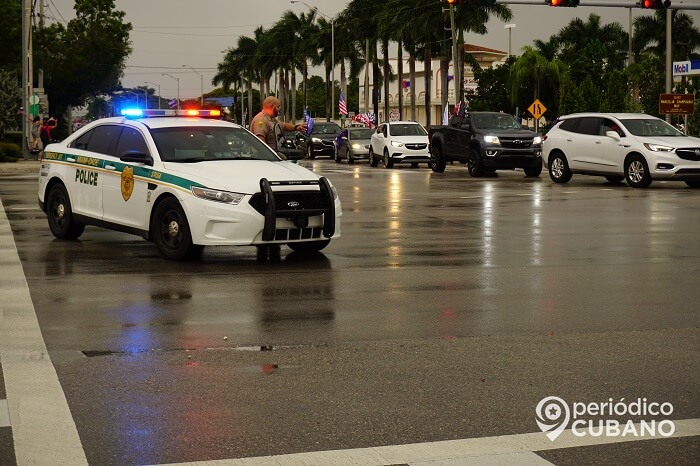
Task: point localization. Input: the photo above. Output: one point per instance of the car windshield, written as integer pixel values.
(496, 121)
(407, 129)
(202, 143)
(650, 127)
(326, 128)
(360, 133)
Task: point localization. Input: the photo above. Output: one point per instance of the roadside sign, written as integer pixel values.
(537, 109)
(676, 104)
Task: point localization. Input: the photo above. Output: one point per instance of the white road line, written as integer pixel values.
(483, 450)
(42, 426)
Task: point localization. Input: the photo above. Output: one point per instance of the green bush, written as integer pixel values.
(9, 152)
(14, 137)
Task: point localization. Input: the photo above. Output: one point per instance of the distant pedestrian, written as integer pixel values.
(36, 128)
(45, 132)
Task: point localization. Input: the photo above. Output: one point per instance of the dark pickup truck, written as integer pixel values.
(486, 142)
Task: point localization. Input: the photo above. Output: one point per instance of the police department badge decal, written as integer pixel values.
(127, 182)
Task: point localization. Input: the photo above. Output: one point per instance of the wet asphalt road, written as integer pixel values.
(448, 308)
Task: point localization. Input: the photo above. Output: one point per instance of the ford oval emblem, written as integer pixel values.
(293, 204)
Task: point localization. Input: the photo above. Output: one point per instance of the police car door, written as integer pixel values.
(125, 187)
(84, 174)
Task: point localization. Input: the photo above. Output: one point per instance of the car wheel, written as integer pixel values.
(475, 165)
(309, 246)
(60, 214)
(388, 163)
(372, 160)
(533, 172)
(310, 151)
(349, 156)
(559, 168)
(615, 179)
(637, 172)
(171, 232)
(693, 183)
(337, 156)
(437, 160)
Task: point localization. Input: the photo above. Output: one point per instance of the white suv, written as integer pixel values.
(399, 142)
(635, 147)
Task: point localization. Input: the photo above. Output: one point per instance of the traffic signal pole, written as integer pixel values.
(455, 57)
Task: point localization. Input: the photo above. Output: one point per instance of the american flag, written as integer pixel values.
(342, 104)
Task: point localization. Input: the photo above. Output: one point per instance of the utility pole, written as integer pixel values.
(27, 72)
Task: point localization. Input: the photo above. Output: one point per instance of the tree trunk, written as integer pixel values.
(366, 75)
(412, 90)
(399, 70)
(387, 71)
(444, 81)
(293, 92)
(428, 74)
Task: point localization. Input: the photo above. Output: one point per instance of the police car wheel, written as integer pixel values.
(171, 232)
(60, 214)
(309, 246)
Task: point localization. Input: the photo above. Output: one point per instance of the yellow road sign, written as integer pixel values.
(537, 109)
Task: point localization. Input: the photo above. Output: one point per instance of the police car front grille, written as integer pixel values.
(285, 234)
(689, 154)
(307, 200)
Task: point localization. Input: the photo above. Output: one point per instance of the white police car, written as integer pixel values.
(184, 182)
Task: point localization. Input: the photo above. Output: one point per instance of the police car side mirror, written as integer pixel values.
(136, 156)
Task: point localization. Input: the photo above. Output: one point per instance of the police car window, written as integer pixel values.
(200, 144)
(131, 140)
(104, 139)
(82, 141)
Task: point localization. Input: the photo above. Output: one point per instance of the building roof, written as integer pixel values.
(478, 49)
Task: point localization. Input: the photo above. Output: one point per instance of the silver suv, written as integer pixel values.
(634, 147)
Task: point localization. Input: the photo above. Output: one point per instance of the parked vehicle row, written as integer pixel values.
(632, 147)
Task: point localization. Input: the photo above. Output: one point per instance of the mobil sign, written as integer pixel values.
(686, 68)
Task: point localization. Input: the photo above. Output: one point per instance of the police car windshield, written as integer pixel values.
(193, 144)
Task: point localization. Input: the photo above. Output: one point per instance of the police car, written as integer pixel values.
(184, 180)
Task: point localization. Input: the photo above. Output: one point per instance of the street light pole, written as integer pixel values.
(510, 30)
(158, 85)
(201, 83)
(332, 51)
(178, 87)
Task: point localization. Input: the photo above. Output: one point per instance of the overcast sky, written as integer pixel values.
(170, 33)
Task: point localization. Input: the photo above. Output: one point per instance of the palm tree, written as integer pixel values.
(533, 66)
(577, 35)
(650, 35)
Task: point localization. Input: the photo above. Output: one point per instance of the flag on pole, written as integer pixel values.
(172, 103)
(342, 104)
(446, 114)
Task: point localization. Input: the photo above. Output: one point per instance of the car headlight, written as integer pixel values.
(397, 144)
(537, 140)
(357, 146)
(658, 148)
(492, 139)
(315, 140)
(218, 196)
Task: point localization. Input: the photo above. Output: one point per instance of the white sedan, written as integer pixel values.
(184, 183)
(399, 142)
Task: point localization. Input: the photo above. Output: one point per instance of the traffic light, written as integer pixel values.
(569, 3)
(654, 4)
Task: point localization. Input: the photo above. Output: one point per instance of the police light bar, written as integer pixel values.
(150, 113)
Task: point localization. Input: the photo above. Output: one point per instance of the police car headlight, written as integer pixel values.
(537, 140)
(315, 139)
(397, 144)
(492, 139)
(658, 148)
(218, 196)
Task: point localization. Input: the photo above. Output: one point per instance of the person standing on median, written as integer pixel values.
(266, 126)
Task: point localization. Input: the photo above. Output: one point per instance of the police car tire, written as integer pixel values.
(60, 214)
(309, 246)
(175, 245)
